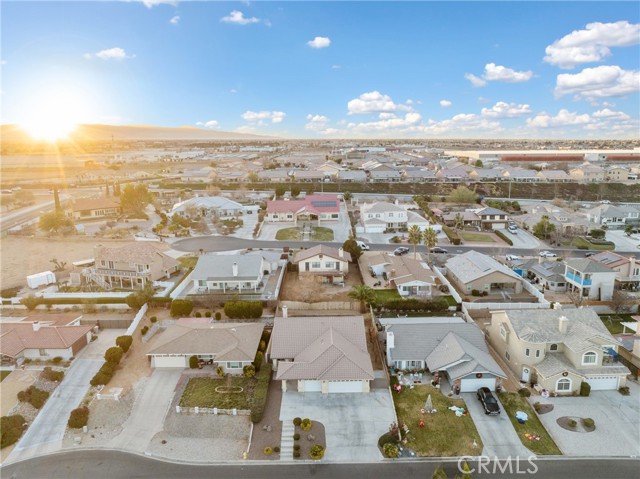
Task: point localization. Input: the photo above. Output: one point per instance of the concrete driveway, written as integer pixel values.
(149, 411)
(497, 433)
(522, 239)
(617, 420)
(353, 423)
(624, 242)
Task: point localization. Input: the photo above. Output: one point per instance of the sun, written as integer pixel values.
(52, 116)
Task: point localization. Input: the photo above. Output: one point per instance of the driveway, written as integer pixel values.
(617, 420)
(624, 242)
(522, 239)
(149, 411)
(353, 423)
(497, 433)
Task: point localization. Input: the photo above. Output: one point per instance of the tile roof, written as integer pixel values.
(313, 203)
(138, 253)
(380, 207)
(323, 250)
(83, 204)
(609, 259)
(212, 267)
(16, 337)
(472, 265)
(556, 363)
(585, 265)
(217, 202)
(404, 269)
(322, 348)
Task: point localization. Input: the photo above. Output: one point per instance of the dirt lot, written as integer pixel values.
(309, 290)
(21, 256)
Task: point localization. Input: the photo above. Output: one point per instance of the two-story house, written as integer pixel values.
(627, 269)
(558, 349)
(614, 216)
(588, 174)
(327, 264)
(382, 216)
(492, 218)
(589, 279)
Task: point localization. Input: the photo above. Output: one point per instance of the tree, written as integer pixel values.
(295, 191)
(79, 417)
(249, 371)
(253, 177)
(462, 194)
(597, 233)
(351, 247)
(280, 190)
(543, 228)
(181, 307)
(135, 198)
(138, 299)
(113, 354)
(24, 197)
(31, 302)
(363, 293)
(56, 199)
(479, 164)
(55, 221)
(347, 195)
(620, 302)
(124, 342)
(458, 221)
(60, 265)
(430, 238)
(415, 237)
(628, 230)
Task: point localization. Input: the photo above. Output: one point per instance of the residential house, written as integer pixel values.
(95, 208)
(204, 175)
(216, 206)
(382, 216)
(456, 350)
(453, 175)
(384, 175)
(129, 267)
(311, 207)
(468, 218)
(565, 221)
(409, 276)
(629, 352)
(308, 176)
(614, 216)
(590, 279)
(520, 175)
(473, 271)
(627, 269)
(326, 264)
(325, 354)
(548, 274)
(617, 173)
(485, 174)
(554, 176)
(330, 168)
(231, 346)
(418, 175)
(236, 273)
(588, 174)
(280, 175)
(492, 218)
(558, 349)
(352, 176)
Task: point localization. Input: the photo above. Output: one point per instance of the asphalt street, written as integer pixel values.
(98, 464)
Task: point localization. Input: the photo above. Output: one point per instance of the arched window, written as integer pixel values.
(589, 357)
(553, 347)
(563, 385)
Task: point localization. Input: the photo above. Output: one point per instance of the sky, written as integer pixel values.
(332, 69)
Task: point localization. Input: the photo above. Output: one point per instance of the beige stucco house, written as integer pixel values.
(476, 271)
(558, 349)
(327, 264)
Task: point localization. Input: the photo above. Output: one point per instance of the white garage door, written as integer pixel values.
(169, 361)
(312, 386)
(603, 383)
(473, 384)
(345, 387)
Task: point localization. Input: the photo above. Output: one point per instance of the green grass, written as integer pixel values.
(4, 374)
(444, 433)
(384, 295)
(288, 234)
(201, 392)
(476, 237)
(582, 243)
(513, 402)
(450, 300)
(188, 261)
(320, 233)
(612, 322)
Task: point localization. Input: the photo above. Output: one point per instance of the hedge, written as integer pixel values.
(504, 237)
(124, 342)
(260, 393)
(101, 378)
(414, 304)
(452, 235)
(243, 309)
(114, 354)
(50, 375)
(11, 428)
(108, 368)
(79, 417)
(181, 307)
(34, 396)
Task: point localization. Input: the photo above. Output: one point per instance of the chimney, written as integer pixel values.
(390, 345)
(285, 311)
(36, 325)
(396, 202)
(234, 268)
(563, 323)
(341, 252)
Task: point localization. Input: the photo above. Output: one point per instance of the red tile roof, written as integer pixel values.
(16, 337)
(315, 204)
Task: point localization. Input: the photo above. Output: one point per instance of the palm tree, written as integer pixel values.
(415, 237)
(362, 293)
(458, 221)
(430, 238)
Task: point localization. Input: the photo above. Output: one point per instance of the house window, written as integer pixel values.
(110, 264)
(315, 264)
(202, 283)
(503, 331)
(335, 216)
(507, 355)
(537, 353)
(413, 364)
(589, 358)
(103, 263)
(390, 215)
(526, 352)
(563, 385)
(553, 347)
(234, 365)
(329, 265)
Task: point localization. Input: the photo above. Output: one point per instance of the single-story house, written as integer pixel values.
(328, 264)
(219, 273)
(312, 207)
(90, 208)
(476, 271)
(229, 345)
(410, 277)
(326, 354)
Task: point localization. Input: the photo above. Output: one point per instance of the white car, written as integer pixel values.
(511, 257)
(548, 254)
(363, 246)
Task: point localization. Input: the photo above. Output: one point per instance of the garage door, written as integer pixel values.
(169, 361)
(473, 384)
(345, 387)
(603, 383)
(312, 386)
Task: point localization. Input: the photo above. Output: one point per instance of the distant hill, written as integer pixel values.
(13, 133)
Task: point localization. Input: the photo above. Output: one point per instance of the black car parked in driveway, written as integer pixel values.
(400, 250)
(489, 402)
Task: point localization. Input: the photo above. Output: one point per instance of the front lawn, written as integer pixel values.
(201, 392)
(476, 237)
(288, 234)
(320, 233)
(4, 374)
(381, 296)
(188, 261)
(613, 322)
(513, 402)
(444, 433)
(583, 243)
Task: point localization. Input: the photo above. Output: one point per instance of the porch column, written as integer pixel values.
(284, 385)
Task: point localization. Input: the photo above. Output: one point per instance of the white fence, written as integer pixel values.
(321, 306)
(506, 305)
(212, 410)
(445, 281)
(137, 319)
(184, 284)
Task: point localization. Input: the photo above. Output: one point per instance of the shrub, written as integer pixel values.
(193, 362)
(588, 422)
(257, 362)
(181, 307)
(296, 437)
(268, 451)
(34, 396)
(124, 342)
(475, 292)
(79, 417)
(504, 237)
(452, 235)
(386, 438)
(144, 330)
(243, 309)
(260, 393)
(113, 355)
(207, 314)
(306, 424)
(100, 379)
(57, 360)
(49, 374)
(297, 421)
(296, 454)
(263, 346)
(624, 390)
(524, 392)
(585, 389)
(466, 471)
(390, 450)
(439, 473)
(249, 371)
(220, 371)
(537, 406)
(153, 319)
(11, 428)
(198, 314)
(108, 368)
(276, 449)
(317, 451)
(218, 316)
(572, 423)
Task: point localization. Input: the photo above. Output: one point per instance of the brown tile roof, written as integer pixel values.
(140, 253)
(83, 204)
(16, 337)
(323, 250)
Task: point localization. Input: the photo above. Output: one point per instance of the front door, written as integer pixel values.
(526, 374)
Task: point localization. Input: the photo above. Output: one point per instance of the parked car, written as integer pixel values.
(437, 249)
(511, 257)
(363, 246)
(400, 250)
(589, 253)
(548, 254)
(489, 402)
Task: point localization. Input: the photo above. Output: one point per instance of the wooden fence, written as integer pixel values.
(322, 306)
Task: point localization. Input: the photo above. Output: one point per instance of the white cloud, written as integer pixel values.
(387, 115)
(599, 82)
(336, 67)
(175, 20)
(563, 118)
(463, 122)
(261, 116)
(319, 42)
(233, 90)
(591, 44)
(316, 123)
(211, 124)
(493, 72)
(3, 62)
(411, 119)
(482, 99)
(115, 53)
(153, 3)
(610, 114)
(237, 17)
(445, 103)
(506, 110)
(374, 102)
